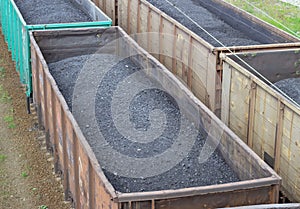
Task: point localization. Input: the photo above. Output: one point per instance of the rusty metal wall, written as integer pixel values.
(83, 179)
(226, 199)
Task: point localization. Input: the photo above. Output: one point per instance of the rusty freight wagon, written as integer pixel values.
(19, 17)
(197, 62)
(93, 179)
(182, 45)
(263, 114)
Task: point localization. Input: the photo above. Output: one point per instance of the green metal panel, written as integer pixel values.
(16, 33)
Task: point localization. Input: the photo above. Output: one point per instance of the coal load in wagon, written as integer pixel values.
(146, 109)
(279, 69)
(214, 22)
(46, 12)
(291, 87)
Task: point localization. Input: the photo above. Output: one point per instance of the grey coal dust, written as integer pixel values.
(188, 172)
(54, 11)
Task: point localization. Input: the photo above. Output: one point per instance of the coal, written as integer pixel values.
(188, 172)
(48, 12)
(208, 20)
(291, 87)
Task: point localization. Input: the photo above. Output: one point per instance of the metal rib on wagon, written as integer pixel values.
(84, 180)
(16, 33)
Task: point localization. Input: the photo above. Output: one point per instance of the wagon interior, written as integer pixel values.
(59, 11)
(278, 68)
(227, 24)
(223, 154)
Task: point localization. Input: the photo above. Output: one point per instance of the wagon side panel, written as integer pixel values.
(271, 125)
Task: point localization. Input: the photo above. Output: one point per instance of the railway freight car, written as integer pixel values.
(19, 17)
(101, 168)
(262, 108)
(194, 56)
(189, 43)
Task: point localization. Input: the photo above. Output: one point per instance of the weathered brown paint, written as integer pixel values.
(84, 180)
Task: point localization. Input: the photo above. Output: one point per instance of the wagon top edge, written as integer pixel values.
(272, 178)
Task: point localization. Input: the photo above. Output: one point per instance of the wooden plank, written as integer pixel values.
(167, 43)
(182, 55)
(226, 84)
(160, 57)
(189, 77)
(128, 17)
(239, 104)
(122, 14)
(144, 24)
(174, 61)
(138, 19)
(212, 80)
(265, 121)
(199, 68)
(251, 115)
(278, 141)
(290, 154)
(133, 17)
(154, 37)
(148, 29)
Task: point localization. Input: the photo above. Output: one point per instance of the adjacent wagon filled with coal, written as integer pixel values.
(126, 133)
(18, 17)
(261, 92)
(188, 36)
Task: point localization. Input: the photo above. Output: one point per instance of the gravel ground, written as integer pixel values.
(26, 178)
(110, 142)
(55, 11)
(291, 87)
(209, 21)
